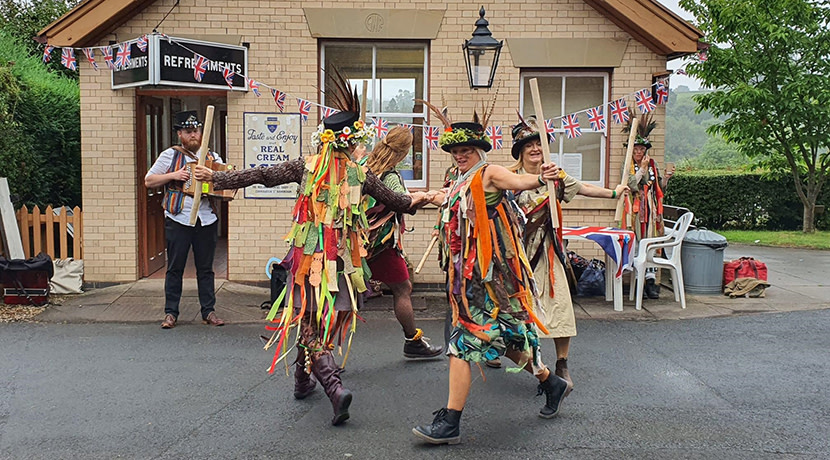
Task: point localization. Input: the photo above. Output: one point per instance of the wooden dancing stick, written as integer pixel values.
(203, 150)
(629, 153)
(363, 100)
(540, 117)
(426, 254)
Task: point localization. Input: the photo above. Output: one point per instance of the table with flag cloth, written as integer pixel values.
(618, 245)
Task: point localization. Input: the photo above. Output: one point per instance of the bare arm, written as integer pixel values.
(158, 180)
(500, 178)
(594, 191)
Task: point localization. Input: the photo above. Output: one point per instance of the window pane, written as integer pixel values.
(353, 62)
(400, 78)
(587, 163)
(550, 90)
(582, 93)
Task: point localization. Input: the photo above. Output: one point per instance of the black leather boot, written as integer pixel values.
(304, 383)
(418, 347)
(562, 371)
(652, 290)
(444, 428)
(554, 390)
(328, 373)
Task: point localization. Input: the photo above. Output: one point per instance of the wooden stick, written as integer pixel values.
(540, 118)
(363, 100)
(629, 153)
(203, 150)
(426, 254)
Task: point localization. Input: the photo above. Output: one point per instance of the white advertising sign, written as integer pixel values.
(271, 139)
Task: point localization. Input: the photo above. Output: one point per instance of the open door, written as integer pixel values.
(149, 144)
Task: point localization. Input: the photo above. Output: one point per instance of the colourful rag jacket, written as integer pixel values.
(647, 202)
(386, 227)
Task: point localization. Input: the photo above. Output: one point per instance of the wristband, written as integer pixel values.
(435, 227)
(541, 181)
(613, 194)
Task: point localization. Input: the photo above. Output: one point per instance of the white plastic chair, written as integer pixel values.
(647, 258)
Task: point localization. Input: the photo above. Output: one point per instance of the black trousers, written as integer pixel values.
(180, 238)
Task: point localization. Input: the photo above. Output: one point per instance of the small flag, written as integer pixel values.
(47, 53)
(407, 126)
(619, 110)
(90, 56)
(644, 101)
(142, 43)
(703, 56)
(68, 58)
(327, 111)
(681, 72)
(228, 74)
(305, 108)
(662, 92)
(596, 118)
(550, 129)
(254, 87)
(431, 134)
(571, 126)
(200, 67)
(494, 133)
(381, 127)
(107, 52)
(122, 58)
(279, 98)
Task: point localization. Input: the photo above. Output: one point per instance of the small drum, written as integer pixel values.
(189, 186)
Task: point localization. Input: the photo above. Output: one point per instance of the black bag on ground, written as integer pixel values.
(592, 281)
(278, 277)
(26, 282)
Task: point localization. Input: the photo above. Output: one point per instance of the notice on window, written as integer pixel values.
(572, 164)
(271, 139)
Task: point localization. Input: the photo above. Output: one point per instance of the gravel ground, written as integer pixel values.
(15, 313)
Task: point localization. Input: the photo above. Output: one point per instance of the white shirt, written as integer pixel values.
(206, 215)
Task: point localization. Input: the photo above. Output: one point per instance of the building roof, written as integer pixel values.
(649, 22)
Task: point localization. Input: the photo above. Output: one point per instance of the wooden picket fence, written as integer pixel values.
(46, 232)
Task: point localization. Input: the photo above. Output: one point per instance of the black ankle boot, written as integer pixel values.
(418, 347)
(444, 428)
(554, 390)
(328, 373)
(652, 289)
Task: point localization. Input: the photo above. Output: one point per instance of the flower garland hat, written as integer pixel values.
(462, 134)
(344, 128)
(644, 128)
(523, 132)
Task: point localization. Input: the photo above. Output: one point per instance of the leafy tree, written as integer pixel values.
(769, 70)
(23, 19)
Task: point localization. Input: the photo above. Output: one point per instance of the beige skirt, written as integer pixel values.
(557, 311)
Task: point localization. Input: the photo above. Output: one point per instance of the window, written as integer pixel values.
(564, 93)
(397, 75)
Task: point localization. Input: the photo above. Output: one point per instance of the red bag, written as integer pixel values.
(745, 267)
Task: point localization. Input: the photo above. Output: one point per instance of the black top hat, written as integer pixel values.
(187, 119)
(464, 134)
(523, 132)
(340, 120)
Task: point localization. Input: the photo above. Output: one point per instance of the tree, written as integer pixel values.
(23, 19)
(768, 66)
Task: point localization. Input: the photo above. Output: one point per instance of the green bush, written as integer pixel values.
(741, 200)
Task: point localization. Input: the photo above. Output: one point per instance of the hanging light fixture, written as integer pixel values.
(481, 54)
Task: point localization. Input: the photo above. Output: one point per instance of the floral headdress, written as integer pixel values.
(344, 128)
(462, 134)
(644, 127)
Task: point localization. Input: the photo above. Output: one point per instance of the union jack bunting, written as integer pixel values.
(228, 74)
(681, 72)
(254, 87)
(597, 118)
(327, 111)
(142, 43)
(644, 101)
(305, 108)
(617, 243)
(200, 67)
(279, 99)
(703, 56)
(381, 126)
(431, 134)
(408, 126)
(122, 58)
(662, 92)
(68, 58)
(494, 133)
(47, 53)
(619, 110)
(550, 129)
(571, 126)
(107, 51)
(90, 56)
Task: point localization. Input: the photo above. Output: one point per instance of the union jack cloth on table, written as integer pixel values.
(616, 242)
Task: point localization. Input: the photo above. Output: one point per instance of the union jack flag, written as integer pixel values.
(619, 110)
(142, 43)
(407, 126)
(681, 72)
(662, 92)
(122, 58)
(90, 56)
(431, 134)
(228, 74)
(68, 59)
(254, 87)
(47, 53)
(644, 101)
(305, 108)
(597, 118)
(494, 133)
(327, 111)
(703, 56)
(550, 129)
(200, 67)
(381, 126)
(571, 126)
(107, 52)
(279, 98)
(617, 243)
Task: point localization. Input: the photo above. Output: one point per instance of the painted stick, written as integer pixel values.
(629, 153)
(540, 118)
(363, 100)
(426, 254)
(203, 150)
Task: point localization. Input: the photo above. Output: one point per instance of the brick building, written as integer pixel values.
(583, 52)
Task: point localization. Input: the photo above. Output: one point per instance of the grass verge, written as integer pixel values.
(788, 239)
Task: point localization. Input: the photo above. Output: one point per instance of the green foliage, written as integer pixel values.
(817, 240)
(740, 200)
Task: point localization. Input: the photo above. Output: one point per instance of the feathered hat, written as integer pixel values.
(524, 131)
(463, 133)
(644, 128)
(343, 128)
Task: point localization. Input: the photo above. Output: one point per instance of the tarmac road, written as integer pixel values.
(740, 387)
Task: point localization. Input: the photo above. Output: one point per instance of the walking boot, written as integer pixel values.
(554, 390)
(444, 428)
(328, 374)
(562, 371)
(304, 383)
(652, 289)
(418, 347)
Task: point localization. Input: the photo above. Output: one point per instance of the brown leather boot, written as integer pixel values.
(304, 383)
(328, 374)
(562, 371)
